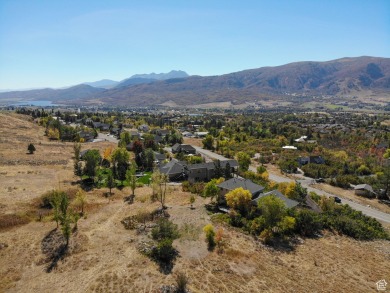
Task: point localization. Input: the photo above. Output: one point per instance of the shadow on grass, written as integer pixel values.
(165, 266)
(54, 247)
(129, 199)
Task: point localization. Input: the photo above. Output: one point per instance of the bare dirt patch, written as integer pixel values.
(193, 141)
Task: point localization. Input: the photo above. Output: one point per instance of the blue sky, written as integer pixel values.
(57, 43)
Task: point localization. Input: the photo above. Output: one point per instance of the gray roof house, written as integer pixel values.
(183, 148)
(159, 158)
(234, 183)
(290, 203)
(364, 190)
(206, 171)
(174, 169)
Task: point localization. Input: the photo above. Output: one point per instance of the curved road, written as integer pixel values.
(381, 216)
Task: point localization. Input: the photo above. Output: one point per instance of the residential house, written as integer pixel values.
(143, 128)
(159, 158)
(187, 134)
(234, 183)
(206, 171)
(289, 147)
(116, 131)
(301, 139)
(364, 190)
(101, 126)
(161, 132)
(158, 139)
(183, 148)
(134, 134)
(201, 134)
(290, 203)
(311, 160)
(86, 136)
(175, 170)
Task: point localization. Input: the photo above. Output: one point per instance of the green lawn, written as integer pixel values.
(146, 178)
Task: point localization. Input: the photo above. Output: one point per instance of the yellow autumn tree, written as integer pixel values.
(282, 187)
(107, 154)
(239, 199)
(53, 133)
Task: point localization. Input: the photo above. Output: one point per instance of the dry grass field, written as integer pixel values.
(103, 255)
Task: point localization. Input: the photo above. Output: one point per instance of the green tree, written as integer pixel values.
(208, 142)
(31, 148)
(218, 171)
(274, 218)
(272, 210)
(132, 179)
(192, 200)
(55, 202)
(66, 229)
(384, 181)
(210, 233)
(160, 180)
(164, 251)
(110, 181)
(60, 204)
(211, 189)
(228, 171)
(120, 161)
(244, 160)
(147, 158)
(92, 160)
(76, 159)
(165, 229)
(81, 200)
(386, 155)
(125, 138)
(308, 223)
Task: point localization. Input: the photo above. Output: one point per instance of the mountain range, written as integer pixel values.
(137, 79)
(348, 77)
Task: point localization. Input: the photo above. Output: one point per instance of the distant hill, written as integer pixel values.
(346, 76)
(104, 83)
(354, 77)
(75, 93)
(152, 77)
(163, 76)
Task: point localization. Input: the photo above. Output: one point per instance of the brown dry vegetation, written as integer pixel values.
(104, 257)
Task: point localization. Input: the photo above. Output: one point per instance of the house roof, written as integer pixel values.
(173, 167)
(289, 147)
(200, 166)
(163, 132)
(232, 163)
(247, 184)
(160, 157)
(364, 187)
(187, 147)
(290, 203)
(158, 138)
(175, 147)
(317, 160)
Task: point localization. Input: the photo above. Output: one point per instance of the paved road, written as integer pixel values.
(105, 137)
(210, 154)
(381, 216)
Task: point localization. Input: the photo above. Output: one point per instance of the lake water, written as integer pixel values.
(39, 103)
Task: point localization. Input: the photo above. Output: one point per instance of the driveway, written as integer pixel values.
(105, 137)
